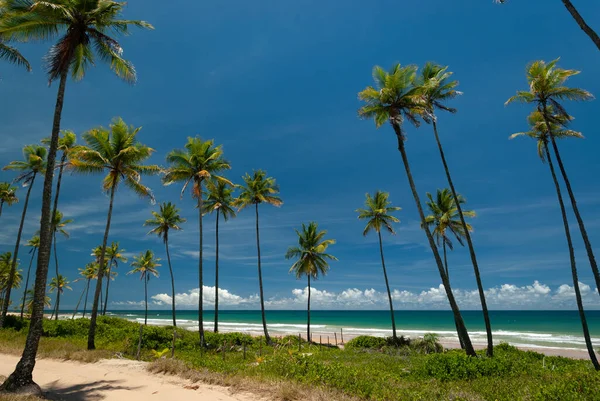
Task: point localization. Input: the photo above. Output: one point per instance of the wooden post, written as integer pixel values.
(328, 341)
(320, 342)
(139, 348)
(335, 336)
(173, 347)
(342, 334)
(299, 342)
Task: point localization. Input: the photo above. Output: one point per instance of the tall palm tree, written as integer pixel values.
(34, 243)
(257, 189)
(58, 284)
(7, 195)
(168, 218)
(34, 164)
(394, 99)
(8, 278)
(82, 28)
(312, 259)
(146, 265)
(546, 91)
(12, 55)
(378, 212)
(220, 200)
(114, 255)
(539, 130)
(117, 152)
(58, 226)
(436, 87)
(199, 161)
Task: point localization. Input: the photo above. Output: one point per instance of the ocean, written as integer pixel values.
(547, 329)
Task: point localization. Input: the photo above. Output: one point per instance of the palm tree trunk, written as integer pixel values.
(200, 278)
(22, 376)
(146, 299)
(462, 345)
(580, 21)
(308, 313)
(55, 208)
(486, 315)
(87, 290)
(462, 330)
(92, 332)
(387, 285)
(1, 206)
(260, 282)
(586, 332)
(101, 301)
(56, 263)
(27, 281)
(57, 302)
(78, 303)
(172, 279)
(13, 266)
(110, 263)
(584, 235)
(217, 274)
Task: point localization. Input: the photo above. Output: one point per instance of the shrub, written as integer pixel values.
(428, 344)
(15, 322)
(369, 342)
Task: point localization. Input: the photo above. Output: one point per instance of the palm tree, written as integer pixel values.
(28, 300)
(146, 265)
(395, 99)
(312, 258)
(34, 243)
(219, 199)
(8, 278)
(540, 131)
(257, 189)
(13, 56)
(115, 255)
(200, 160)
(7, 195)
(82, 28)
(436, 88)
(58, 226)
(34, 164)
(58, 284)
(378, 212)
(168, 218)
(89, 273)
(546, 90)
(118, 152)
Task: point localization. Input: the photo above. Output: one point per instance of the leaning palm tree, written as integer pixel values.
(199, 161)
(546, 91)
(34, 164)
(378, 211)
(312, 259)
(12, 55)
(83, 27)
(58, 226)
(540, 131)
(146, 265)
(257, 189)
(219, 199)
(394, 99)
(114, 255)
(34, 243)
(7, 195)
(168, 218)
(117, 152)
(436, 87)
(58, 284)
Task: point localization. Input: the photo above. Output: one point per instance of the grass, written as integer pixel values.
(368, 369)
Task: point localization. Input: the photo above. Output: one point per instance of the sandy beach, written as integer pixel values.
(116, 379)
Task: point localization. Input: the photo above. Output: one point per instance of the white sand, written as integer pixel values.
(116, 379)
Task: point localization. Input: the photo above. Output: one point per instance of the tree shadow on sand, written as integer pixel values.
(91, 391)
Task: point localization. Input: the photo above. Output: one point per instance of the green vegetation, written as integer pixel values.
(369, 368)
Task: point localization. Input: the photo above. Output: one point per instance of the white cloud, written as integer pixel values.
(190, 298)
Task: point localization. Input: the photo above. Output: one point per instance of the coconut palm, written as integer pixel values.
(394, 99)
(378, 211)
(8, 278)
(436, 87)
(146, 265)
(114, 255)
(257, 189)
(540, 131)
(168, 218)
(312, 259)
(58, 284)
(83, 27)
(196, 163)
(12, 55)
(34, 243)
(546, 91)
(89, 273)
(58, 226)
(28, 300)
(117, 152)
(7, 195)
(34, 164)
(219, 200)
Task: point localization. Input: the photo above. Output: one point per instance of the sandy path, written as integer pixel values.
(115, 379)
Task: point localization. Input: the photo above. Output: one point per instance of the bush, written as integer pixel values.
(369, 342)
(15, 322)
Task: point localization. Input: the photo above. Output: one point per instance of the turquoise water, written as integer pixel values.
(560, 329)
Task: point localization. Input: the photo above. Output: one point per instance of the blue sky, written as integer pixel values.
(276, 84)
